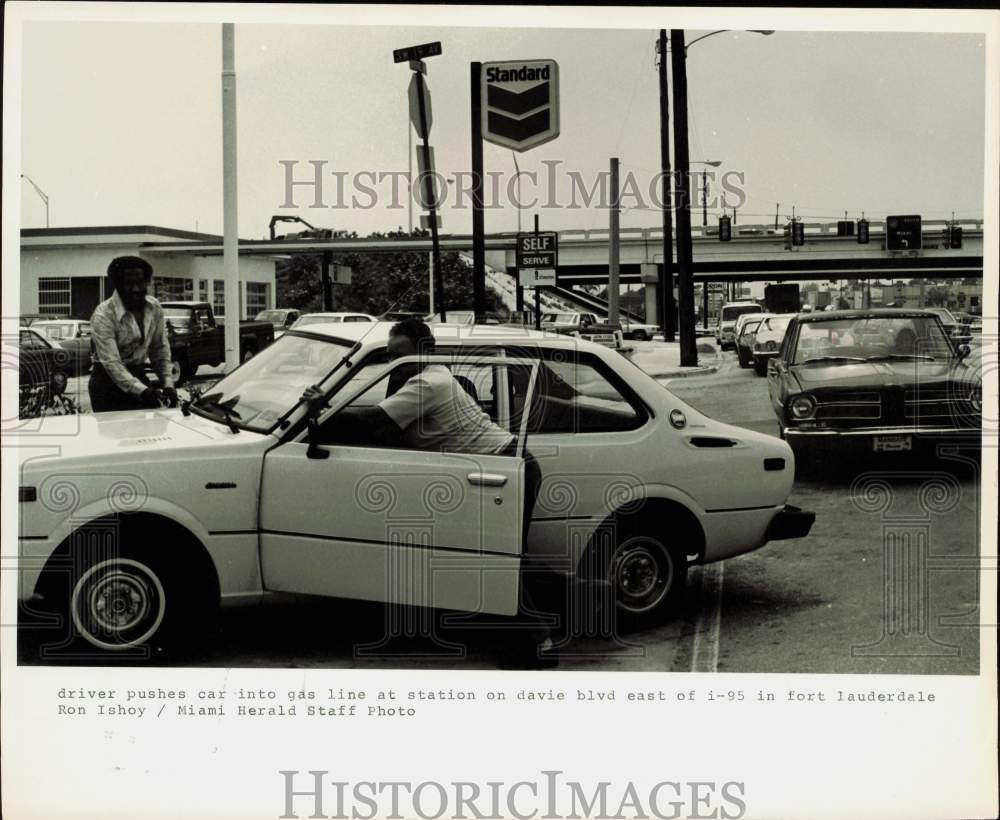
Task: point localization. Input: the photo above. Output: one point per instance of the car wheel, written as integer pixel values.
(58, 382)
(120, 603)
(178, 371)
(643, 577)
(743, 360)
(760, 369)
(641, 336)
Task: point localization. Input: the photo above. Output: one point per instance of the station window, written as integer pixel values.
(256, 298)
(171, 288)
(54, 296)
(219, 298)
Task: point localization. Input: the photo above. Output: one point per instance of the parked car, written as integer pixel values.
(281, 319)
(725, 331)
(857, 383)
(324, 318)
(197, 339)
(73, 336)
(234, 500)
(44, 368)
(957, 329)
(586, 326)
(399, 315)
(748, 324)
(767, 339)
(28, 319)
(639, 331)
(465, 317)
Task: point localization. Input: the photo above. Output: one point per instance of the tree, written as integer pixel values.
(380, 282)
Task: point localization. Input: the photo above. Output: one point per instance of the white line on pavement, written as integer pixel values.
(705, 651)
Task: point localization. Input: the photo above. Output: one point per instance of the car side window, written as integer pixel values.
(577, 394)
(30, 341)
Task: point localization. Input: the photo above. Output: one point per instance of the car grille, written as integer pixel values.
(934, 404)
(845, 406)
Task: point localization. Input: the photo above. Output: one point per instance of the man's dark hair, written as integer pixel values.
(417, 331)
(120, 264)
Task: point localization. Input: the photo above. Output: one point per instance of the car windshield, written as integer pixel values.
(315, 319)
(778, 324)
(872, 338)
(945, 314)
(56, 331)
(733, 312)
(564, 318)
(259, 393)
(177, 317)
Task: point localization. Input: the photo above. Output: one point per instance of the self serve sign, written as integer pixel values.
(537, 250)
(520, 103)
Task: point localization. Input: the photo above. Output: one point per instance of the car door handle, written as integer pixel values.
(487, 479)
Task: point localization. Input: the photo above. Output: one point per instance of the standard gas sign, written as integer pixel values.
(538, 250)
(520, 103)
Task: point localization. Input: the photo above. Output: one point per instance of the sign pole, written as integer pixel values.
(432, 199)
(230, 231)
(478, 221)
(538, 292)
(613, 248)
(667, 305)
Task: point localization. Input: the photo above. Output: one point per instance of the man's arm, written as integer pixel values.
(102, 330)
(159, 349)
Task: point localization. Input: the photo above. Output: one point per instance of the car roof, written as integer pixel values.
(60, 322)
(336, 313)
(377, 333)
(867, 313)
(182, 303)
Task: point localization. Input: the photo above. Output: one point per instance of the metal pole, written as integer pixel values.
(668, 310)
(327, 281)
(478, 221)
(704, 199)
(430, 283)
(704, 305)
(613, 247)
(432, 197)
(689, 347)
(519, 292)
(230, 230)
(538, 292)
(409, 177)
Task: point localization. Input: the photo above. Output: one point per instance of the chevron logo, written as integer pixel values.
(520, 103)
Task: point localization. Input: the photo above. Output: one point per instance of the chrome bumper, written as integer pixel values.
(795, 432)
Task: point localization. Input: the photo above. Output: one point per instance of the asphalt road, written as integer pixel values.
(886, 582)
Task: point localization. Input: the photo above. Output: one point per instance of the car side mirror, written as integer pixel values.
(962, 351)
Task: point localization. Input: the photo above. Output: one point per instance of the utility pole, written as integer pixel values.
(538, 293)
(704, 199)
(478, 220)
(230, 229)
(668, 309)
(613, 247)
(685, 291)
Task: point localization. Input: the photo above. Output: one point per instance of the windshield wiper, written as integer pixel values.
(897, 356)
(226, 408)
(834, 359)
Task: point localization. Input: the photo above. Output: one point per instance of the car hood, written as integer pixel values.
(880, 374)
(125, 436)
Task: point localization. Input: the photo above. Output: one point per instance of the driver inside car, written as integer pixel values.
(426, 408)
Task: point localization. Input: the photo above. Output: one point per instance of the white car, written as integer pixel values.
(725, 331)
(326, 318)
(138, 524)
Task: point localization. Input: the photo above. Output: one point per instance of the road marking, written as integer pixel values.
(705, 651)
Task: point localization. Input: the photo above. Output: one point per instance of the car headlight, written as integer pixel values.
(976, 399)
(802, 407)
(771, 345)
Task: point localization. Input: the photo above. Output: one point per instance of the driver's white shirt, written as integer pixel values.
(435, 413)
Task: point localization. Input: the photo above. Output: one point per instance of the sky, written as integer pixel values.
(121, 122)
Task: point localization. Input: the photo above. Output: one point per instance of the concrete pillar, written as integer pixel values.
(649, 294)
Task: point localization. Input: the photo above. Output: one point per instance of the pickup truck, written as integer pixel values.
(197, 339)
(585, 325)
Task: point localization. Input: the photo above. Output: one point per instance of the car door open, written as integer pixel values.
(392, 524)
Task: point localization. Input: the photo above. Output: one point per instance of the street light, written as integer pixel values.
(685, 279)
(765, 32)
(40, 193)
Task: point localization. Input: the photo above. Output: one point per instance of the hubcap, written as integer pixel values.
(642, 574)
(118, 604)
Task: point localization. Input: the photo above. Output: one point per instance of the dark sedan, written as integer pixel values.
(73, 336)
(873, 381)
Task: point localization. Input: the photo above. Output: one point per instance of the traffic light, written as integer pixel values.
(725, 229)
(955, 237)
(862, 231)
(798, 233)
(845, 227)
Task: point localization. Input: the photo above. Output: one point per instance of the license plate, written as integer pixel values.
(893, 444)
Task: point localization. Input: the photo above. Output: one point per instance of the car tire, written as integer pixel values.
(641, 336)
(743, 360)
(58, 382)
(639, 581)
(178, 370)
(760, 369)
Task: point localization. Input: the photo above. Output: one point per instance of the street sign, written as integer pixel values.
(520, 103)
(532, 277)
(538, 250)
(903, 233)
(402, 55)
(416, 86)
